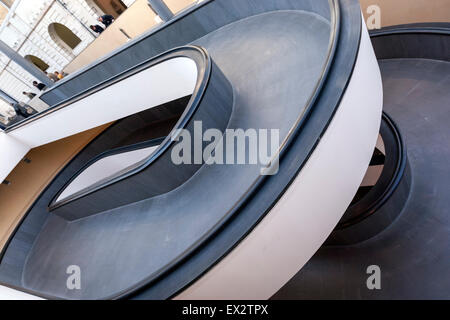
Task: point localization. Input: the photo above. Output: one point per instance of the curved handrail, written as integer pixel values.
(300, 123)
(327, 101)
(401, 41)
(435, 27)
(293, 132)
(200, 57)
(106, 154)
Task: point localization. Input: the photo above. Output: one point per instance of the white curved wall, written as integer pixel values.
(11, 294)
(11, 152)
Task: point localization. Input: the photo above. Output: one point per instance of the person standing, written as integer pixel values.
(30, 95)
(23, 110)
(106, 19)
(52, 76)
(39, 85)
(59, 75)
(96, 28)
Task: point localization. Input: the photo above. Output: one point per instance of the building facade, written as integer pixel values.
(48, 33)
(54, 35)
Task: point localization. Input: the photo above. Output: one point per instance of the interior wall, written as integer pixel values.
(394, 12)
(29, 179)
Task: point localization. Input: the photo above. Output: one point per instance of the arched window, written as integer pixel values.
(37, 62)
(118, 6)
(63, 36)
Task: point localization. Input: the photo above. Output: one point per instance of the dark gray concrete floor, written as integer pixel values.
(414, 252)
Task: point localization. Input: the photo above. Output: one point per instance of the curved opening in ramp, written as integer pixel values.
(107, 166)
(210, 105)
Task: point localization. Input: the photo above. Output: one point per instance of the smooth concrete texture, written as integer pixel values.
(100, 244)
(28, 180)
(298, 224)
(257, 104)
(417, 41)
(413, 253)
(129, 131)
(210, 105)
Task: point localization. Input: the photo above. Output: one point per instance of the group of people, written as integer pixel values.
(17, 112)
(39, 85)
(54, 76)
(106, 19)
(23, 110)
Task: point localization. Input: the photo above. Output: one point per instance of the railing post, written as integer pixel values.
(161, 9)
